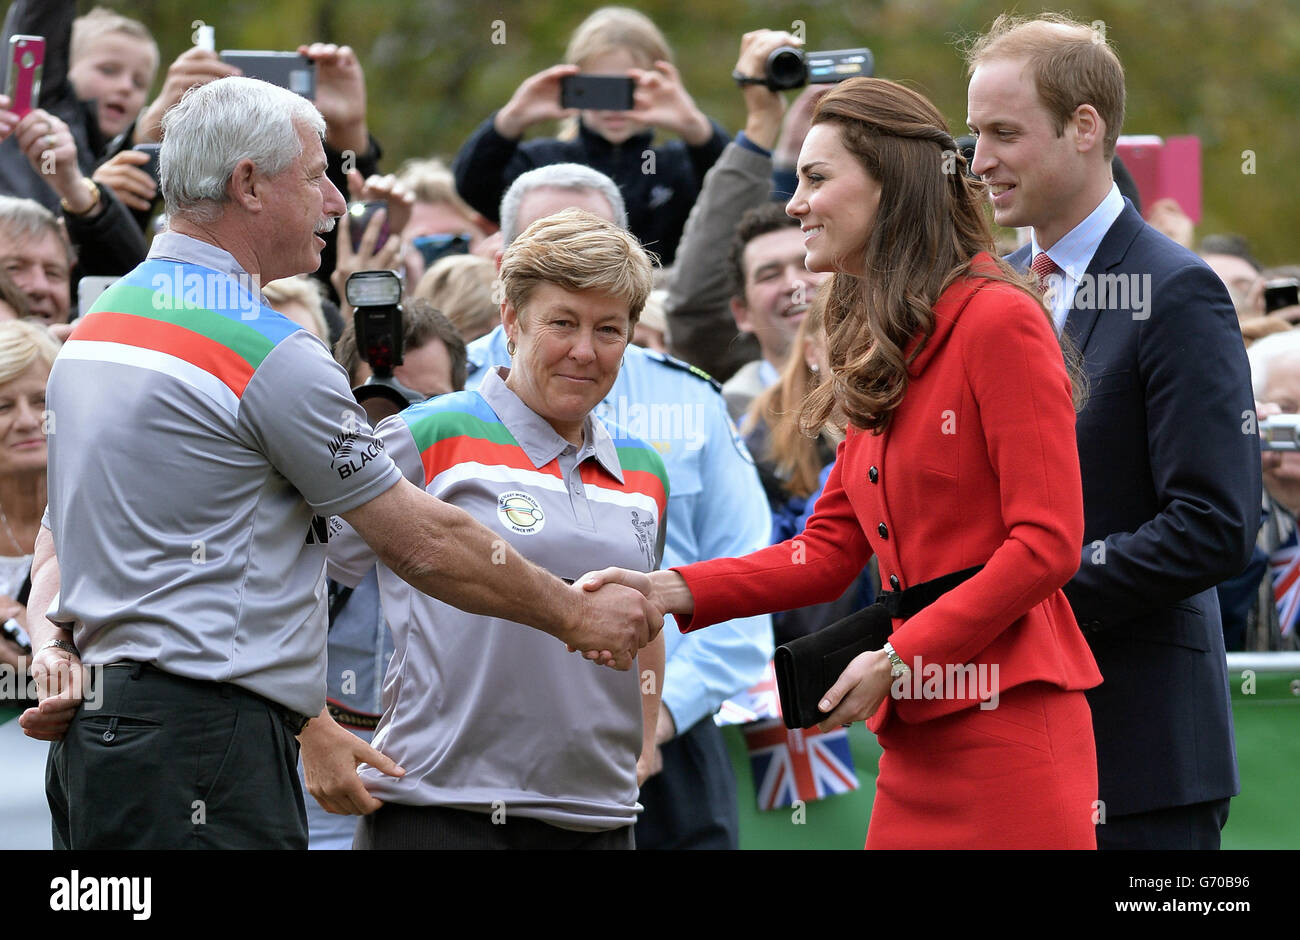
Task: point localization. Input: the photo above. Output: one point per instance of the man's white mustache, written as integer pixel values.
(326, 225)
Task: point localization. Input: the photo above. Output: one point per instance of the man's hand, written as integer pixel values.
(763, 106)
(192, 67)
(132, 186)
(535, 101)
(60, 683)
(386, 189)
(330, 757)
(1253, 328)
(365, 258)
(49, 147)
(340, 95)
(648, 765)
(661, 100)
(666, 590)
(616, 622)
(858, 692)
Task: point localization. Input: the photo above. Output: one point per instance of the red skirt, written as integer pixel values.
(1019, 776)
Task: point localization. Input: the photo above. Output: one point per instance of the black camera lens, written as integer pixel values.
(786, 68)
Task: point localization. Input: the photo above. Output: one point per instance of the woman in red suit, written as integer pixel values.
(960, 452)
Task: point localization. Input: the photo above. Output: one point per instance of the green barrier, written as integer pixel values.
(1266, 713)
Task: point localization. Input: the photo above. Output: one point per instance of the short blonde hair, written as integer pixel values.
(304, 290)
(460, 286)
(618, 28)
(577, 251)
(101, 22)
(22, 343)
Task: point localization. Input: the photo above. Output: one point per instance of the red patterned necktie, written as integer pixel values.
(1043, 268)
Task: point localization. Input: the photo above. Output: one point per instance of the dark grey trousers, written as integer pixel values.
(167, 762)
(1197, 826)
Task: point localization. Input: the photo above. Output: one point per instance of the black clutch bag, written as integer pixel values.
(808, 666)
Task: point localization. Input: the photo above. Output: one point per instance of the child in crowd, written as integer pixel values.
(113, 64)
(659, 184)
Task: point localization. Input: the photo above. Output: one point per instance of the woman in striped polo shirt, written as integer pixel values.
(507, 739)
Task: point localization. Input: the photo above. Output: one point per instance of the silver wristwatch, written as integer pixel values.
(61, 644)
(896, 665)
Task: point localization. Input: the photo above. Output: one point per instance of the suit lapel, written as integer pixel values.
(1110, 253)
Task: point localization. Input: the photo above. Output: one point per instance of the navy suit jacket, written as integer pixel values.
(1169, 455)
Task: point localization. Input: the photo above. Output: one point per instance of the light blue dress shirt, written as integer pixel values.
(1073, 253)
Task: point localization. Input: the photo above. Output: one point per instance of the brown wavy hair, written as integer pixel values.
(928, 227)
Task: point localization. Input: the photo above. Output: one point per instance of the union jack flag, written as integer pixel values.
(756, 703)
(790, 764)
(1284, 565)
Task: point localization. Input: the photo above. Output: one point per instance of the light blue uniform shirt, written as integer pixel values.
(716, 509)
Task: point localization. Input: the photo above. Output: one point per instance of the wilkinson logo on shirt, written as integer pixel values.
(104, 893)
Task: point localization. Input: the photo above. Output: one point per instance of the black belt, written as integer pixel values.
(808, 666)
(911, 601)
(351, 719)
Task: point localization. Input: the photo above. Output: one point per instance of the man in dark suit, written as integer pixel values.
(1167, 440)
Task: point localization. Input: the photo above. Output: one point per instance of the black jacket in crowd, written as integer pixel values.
(659, 190)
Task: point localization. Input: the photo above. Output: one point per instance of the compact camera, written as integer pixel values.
(1280, 432)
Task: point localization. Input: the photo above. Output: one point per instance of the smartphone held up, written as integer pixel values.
(23, 76)
(597, 92)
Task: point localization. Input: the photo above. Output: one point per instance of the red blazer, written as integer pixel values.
(979, 466)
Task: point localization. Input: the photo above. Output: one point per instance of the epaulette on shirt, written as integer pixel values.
(685, 367)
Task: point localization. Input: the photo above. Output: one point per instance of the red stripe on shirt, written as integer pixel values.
(634, 481)
(451, 451)
(160, 336)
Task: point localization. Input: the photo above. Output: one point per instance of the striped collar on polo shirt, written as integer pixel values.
(173, 246)
(1073, 252)
(541, 442)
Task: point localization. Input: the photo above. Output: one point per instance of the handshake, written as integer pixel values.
(622, 611)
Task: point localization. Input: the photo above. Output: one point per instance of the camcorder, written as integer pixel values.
(1280, 432)
(376, 299)
(788, 67)
(1281, 292)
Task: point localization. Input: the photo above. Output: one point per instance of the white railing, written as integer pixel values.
(1278, 661)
